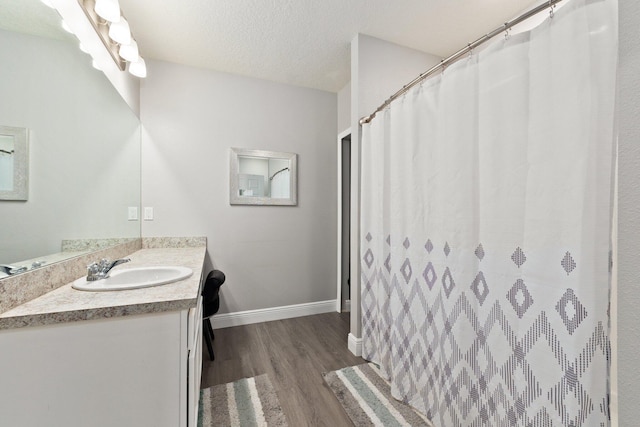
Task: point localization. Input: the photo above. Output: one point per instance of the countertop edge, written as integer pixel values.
(94, 314)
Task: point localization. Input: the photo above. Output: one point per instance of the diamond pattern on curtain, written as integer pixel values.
(486, 230)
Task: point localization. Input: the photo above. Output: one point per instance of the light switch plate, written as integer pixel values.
(133, 213)
(148, 213)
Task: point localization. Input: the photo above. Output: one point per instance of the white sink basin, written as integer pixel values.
(134, 278)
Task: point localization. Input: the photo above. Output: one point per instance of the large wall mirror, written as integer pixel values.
(259, 177)
(84, 143)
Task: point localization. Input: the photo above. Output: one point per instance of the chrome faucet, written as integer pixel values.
(11, 270)
(100, 270)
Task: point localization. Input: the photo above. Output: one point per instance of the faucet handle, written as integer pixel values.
(37, 264)
(104, 264)
(11, 269)
(100, 269)
(93, 268)
(17, 270)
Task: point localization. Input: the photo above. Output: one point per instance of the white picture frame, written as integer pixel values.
(15, 161)
(278, 166)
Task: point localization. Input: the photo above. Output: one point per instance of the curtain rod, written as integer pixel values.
(281, 170)
(445, 62)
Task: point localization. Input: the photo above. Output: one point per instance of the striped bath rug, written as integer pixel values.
(366, 397)
(248, 402)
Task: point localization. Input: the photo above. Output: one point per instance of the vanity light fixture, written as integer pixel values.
(120, 32)
(138, 68)
(115, 34)
(108, 10)
(129, 52)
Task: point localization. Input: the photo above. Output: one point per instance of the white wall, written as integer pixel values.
(629, 214)
(84, 150)
(378, 70)
(381, 69)
(272, 255)
(344, 108)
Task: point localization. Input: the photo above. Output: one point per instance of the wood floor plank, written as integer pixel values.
(294, 353)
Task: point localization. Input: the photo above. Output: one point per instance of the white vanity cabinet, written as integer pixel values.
(136, 370)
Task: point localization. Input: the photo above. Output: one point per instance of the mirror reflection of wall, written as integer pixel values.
(252, 176)
(7, 151)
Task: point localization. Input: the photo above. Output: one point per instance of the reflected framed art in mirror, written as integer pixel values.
(14, 163)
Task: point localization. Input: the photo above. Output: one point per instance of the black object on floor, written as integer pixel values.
(211, 305)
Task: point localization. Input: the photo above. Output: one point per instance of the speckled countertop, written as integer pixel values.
(66, 304)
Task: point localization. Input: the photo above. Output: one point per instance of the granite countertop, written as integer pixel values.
(66, 304)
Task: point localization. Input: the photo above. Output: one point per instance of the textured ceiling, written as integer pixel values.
(304, 42)
(300, 42)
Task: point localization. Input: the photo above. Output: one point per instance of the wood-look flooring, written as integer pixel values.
(294, 353)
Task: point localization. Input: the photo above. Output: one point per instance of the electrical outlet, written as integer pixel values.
(133, 213)
(148, 213)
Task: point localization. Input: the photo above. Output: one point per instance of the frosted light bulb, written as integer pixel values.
(129, 51)
(120, 32)
(138, 68)
(108, 9)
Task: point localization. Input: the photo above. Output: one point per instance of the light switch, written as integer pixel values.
(133, 213)
(148, 213)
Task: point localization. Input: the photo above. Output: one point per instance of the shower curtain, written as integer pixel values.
(485, 230)
(280, 185)
(6, 172)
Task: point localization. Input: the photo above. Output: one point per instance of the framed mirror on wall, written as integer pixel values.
(262, 178)
(14, 163)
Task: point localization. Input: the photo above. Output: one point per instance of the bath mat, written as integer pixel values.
(366, 397)
(248, 402)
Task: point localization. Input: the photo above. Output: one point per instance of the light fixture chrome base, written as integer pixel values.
(102, 28)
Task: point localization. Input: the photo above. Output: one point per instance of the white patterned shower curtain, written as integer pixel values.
(485, 230)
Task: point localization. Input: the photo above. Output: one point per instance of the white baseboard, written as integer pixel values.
(347, 305)
(355, 345)
(248, 317)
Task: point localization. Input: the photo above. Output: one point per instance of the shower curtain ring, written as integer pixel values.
(552, 6)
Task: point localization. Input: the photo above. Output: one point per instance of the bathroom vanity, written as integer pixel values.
(121, 358)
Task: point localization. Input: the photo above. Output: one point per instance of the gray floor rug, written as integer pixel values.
(245, 403)
(366, 397)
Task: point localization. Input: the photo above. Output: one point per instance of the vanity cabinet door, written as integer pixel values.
(123, 371)
(194, 363)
